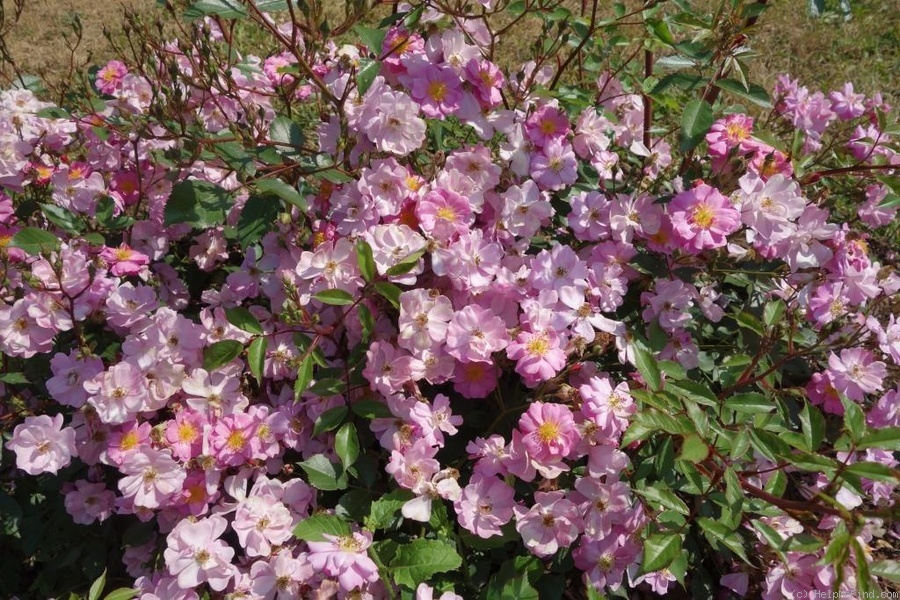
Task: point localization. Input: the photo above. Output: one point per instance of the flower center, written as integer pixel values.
(736, 132)
(235, 441)
(538, 346)
(129, 441)
(446, 213)
(703, 216)
(437, 90)
(348, 543)
(123, 253)
(548, 432)
(548, 127)
(187, 433)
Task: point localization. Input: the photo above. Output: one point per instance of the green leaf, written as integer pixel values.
(257, 217)
(366, 321)
(365, 77)
(53, 112)
(675, 62)
(94, 239)
(773, 311)
(371, 409)
(890, 201)
(366, 260)
(14, 378)
(389, 291)
(256, 357)
(324, 474)
(304, 375)
(854, 419)
(755, 94)
(122, 594)
(751, 402)
(813, 424)
(659, 551)
(243, 319)
(335, 297)
(406, 264)
(221, 353)
(515, 579)
(286, 132)
(886, 569)
(660, 30)
(693, 391)
(97, 587)
(34, 241)
(273, 5)
(875, 471)
(316, 527)
(719, 535)
(61, 217)
(200, 204)
(383, 511)
(748, 321)
(227, 9)
(372, 38)
(802, 542)
(106, 206)
(346, 444)
(770, 535)
(646, 365)
(329, 386)
(663, 497)
(693, 449)
(865, 585)
(236, 157)
(685, 81)
(277, 187)
(418, 560)
(887, 438)
(330, 419)
(839, 547)
(769, 445)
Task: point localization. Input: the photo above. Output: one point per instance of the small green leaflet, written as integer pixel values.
(314, 528)
(221, 353)
(335, 297)
(695, 122)
(243, 319)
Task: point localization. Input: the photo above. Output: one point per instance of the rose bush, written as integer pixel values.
(375, 315)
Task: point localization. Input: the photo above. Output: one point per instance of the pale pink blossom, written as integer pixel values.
(345, 557)
(152, 479)
(42, 445)
(262, 522)
(552, 522)
(196, 555)
(484, 506)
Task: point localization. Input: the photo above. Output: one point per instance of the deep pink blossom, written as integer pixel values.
(538, 355)
(549, 435)
(702, 218)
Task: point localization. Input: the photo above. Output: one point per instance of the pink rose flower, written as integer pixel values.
(42, 445)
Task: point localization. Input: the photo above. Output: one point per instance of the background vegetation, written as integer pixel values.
(822, 53)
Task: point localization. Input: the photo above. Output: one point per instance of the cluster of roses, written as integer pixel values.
(201, 451)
